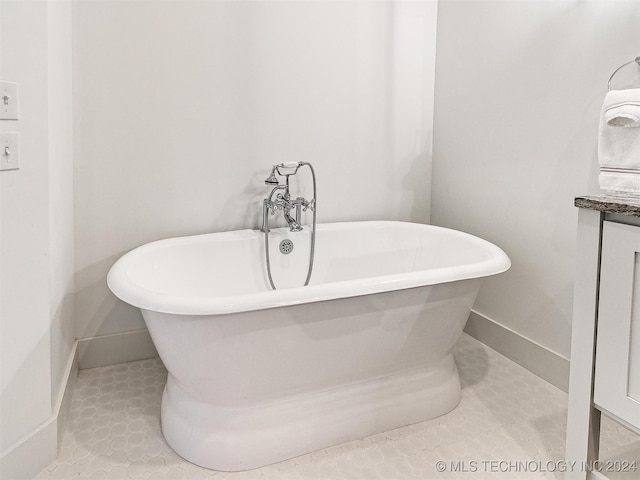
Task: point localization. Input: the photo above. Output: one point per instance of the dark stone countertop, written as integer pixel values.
(621, 203)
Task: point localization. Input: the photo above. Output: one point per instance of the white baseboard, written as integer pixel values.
(29, 455)
(545, 363)
(116, 348)
(64, 397)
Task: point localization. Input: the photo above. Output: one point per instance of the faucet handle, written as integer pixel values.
(310, 205)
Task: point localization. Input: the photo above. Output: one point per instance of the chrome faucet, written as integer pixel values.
(283, 200)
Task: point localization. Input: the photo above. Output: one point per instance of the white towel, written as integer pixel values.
(619, 141)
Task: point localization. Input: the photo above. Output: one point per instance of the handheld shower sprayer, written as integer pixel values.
(288, 169)
(272, 180)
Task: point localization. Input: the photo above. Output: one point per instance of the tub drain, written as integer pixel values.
(286, 247)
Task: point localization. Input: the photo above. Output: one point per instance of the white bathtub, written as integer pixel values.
(258, 376)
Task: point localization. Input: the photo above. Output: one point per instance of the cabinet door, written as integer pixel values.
(617, 376)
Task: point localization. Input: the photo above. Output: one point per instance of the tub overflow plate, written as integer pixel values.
(286, 247)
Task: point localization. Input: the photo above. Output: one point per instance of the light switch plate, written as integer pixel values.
(9, 151)
(8, 101)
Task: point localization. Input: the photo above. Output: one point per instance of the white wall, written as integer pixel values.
(36, 219)
(25, 398)
(519, 87)
(61, 232)
(181, 108)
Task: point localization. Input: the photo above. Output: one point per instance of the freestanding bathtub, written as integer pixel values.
(258, 376)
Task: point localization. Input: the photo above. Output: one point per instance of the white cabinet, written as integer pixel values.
(605, 341)
(617, 374)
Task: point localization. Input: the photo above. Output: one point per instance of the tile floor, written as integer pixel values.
(506, 414)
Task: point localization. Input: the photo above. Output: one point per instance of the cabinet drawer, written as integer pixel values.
(617, 375)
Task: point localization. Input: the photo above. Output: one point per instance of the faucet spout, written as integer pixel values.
(294, 226)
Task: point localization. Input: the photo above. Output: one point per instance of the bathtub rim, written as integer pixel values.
(134, 294)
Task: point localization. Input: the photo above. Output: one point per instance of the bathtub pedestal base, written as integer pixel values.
(254, 435)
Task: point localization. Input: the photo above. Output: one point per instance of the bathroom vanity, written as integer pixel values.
(605, 345)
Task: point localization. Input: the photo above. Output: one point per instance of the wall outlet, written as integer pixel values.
(9, 151)
(8, 101)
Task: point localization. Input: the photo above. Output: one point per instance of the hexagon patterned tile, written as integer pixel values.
(509, 421)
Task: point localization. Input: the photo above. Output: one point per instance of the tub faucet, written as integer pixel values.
(283, 200)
